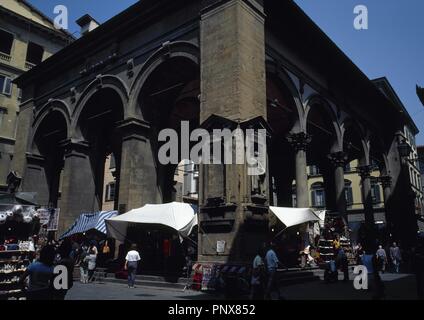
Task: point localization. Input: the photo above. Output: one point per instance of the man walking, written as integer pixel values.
(131, 264)
(382, 258)
(395, 256)
(272, 265)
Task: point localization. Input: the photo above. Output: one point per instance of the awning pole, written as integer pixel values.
(279, 233)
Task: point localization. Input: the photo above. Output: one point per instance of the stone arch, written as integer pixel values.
(316, 99)
(48, 108)
(183, 49)
(273, 70)
(354, 138)
(101, 82)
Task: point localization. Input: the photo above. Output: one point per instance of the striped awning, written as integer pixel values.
(90, 221)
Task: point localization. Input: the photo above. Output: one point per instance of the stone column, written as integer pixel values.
(386, 183)
(300, 142)
(78, 184)
(339, 160)
(35, 179)
(364, 172)
(138, 175)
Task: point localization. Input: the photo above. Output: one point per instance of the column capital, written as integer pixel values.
(386, 181)
(338, 159)
(364, 171)
(299, 141)
(78, 148)
(133, 128)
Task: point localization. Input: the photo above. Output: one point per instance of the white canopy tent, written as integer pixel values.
(181, 217)
(294, 216)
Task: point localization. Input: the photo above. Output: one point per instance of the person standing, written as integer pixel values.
(382, 258)
(92, 258)
(272, 263)
(343, 263)
(83, 264)
(131, 264)
(395, 256)
(40, 275)
(258, 272)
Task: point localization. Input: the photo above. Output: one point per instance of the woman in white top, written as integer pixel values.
(131, 264)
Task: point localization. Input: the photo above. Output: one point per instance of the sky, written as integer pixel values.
(392, 46)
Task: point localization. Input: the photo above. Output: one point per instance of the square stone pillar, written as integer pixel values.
(138, 176)
(35, 179)
(78, 184)
(232, 39)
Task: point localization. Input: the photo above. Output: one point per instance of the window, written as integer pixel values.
(6, 42)
(375, 193)
(314, 171)
(318, 195)
(348, 193)
(347, 168)
(34, 53)
(294, 197)
(3, 111)
(5, 85)
(110, 192)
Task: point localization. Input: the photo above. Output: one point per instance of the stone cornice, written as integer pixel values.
(133, 128)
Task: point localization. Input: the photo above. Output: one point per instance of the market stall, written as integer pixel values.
(180, 217)
(163, 233)
(89, 221)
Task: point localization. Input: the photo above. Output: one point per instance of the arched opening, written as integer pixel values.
(282, 115)
(320, 126)
(97, 126)
(169, 99)
(48, 139)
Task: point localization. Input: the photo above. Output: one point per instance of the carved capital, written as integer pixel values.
(338, 159)
(364, 171)
(75, 148)
(386, 181)
(299, 141)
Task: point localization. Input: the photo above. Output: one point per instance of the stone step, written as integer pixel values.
(142, 277)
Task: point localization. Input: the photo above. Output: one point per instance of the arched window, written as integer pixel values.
(294, 196)
(318, 195)
(348, 193)
(375, 193)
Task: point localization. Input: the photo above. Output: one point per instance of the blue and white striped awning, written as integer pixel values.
(90, 221)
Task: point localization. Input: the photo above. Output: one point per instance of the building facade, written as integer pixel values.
(234, 64)
(420, 151)
(27, 37)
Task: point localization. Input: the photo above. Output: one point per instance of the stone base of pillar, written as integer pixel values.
(230, 234)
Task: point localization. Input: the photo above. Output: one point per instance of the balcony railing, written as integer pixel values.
(5, 57)
(29, 65)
